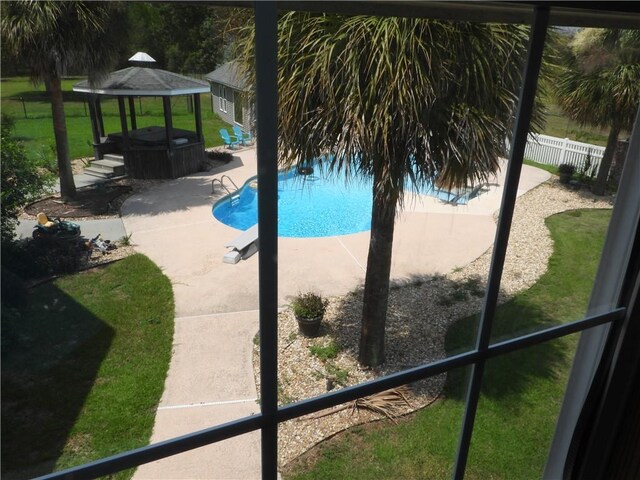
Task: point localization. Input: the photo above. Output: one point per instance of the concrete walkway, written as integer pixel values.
(210, 379)
(110, 228)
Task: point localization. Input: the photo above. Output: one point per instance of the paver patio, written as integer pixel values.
(210, 378)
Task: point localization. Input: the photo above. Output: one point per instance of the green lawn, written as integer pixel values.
(37, 129)
(560, 126)
(549, 168)
(83, 367)
(521, 392)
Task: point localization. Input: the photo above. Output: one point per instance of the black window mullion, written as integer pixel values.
(520, 133)
(244, 425)
(266, 45)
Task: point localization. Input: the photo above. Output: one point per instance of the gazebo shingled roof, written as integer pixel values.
(143, 81)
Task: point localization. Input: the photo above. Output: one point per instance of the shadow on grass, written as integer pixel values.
(52, 350)
(507, 375)
(433, 317)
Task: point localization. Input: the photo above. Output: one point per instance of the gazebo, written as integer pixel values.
(155, 151)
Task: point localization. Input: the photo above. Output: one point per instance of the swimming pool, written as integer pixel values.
(315, 205)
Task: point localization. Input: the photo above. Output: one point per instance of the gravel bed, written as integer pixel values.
(98, 258)
(420, 311)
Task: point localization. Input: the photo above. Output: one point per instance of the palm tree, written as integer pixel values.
(53, 37)
(601, 86)
(404, 101)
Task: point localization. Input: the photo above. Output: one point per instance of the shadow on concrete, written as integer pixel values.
(180, 194)
(235, 163)
(52, 350)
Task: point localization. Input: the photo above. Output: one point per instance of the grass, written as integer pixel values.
(549, 168)
(563, 127)
(521, 392)
(36, 131)
(325, 352)
(84, 365)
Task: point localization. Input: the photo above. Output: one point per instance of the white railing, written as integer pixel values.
(556, 151)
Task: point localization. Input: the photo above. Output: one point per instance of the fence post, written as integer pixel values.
(563, 151)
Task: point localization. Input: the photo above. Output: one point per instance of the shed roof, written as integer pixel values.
(228, 74)
(142, 81)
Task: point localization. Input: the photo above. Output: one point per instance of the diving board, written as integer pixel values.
(243, 246)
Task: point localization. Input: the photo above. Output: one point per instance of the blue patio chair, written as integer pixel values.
(226, 138)
(242, 136)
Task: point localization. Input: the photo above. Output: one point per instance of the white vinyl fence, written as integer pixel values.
(556, 151)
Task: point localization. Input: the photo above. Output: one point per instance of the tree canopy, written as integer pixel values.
(601, 85)
(51, 38)
(405, 101)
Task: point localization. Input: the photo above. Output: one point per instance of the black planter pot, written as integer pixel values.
(565, 177)
(309, 327)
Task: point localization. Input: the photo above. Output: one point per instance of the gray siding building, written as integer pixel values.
(229, 96)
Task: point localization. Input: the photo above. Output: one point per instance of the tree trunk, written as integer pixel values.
(376, 285)
(605, 164)
(67, 185)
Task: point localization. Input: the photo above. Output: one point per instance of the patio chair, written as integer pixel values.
(226, 138)
(242, 136)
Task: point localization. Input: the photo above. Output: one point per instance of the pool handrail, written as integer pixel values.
(222, 185)
(232, 182)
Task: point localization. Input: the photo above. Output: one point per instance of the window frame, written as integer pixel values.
(271, 415)
(222, 90)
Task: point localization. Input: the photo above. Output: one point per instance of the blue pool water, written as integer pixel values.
(308, 205)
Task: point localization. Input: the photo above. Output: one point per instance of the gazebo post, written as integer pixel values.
(123, 125)
(132, 113)
(99, 116)
(198, 114)
(94, 127)
(168, 121)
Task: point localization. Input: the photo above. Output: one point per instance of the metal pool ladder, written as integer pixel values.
(234, 196)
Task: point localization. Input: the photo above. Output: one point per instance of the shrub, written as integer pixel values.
(325, 352)
(23, 178)
(223, 156)
(566, 168)
(566, 171)
(42, 257)
(309, 305)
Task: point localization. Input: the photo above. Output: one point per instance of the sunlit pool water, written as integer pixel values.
(315, 205)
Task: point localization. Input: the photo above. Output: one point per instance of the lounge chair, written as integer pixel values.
(242, 136)
(462, 198)
(226, 138)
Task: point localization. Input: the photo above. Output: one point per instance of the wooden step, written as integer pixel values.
(106, 164)
(99, 172)
(113, 157)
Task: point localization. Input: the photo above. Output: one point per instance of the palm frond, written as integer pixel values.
(389, 403)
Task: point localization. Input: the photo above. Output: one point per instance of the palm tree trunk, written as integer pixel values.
(605, 164)
(67, 185)
(376, 285)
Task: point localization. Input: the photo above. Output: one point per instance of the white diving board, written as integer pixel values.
(243, 246)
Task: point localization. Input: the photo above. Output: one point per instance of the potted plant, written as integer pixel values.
(309, 309)
(566, 171)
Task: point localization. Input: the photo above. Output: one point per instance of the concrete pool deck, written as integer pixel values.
(210, 379)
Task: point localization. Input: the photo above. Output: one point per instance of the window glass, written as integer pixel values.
(518, 408)
(419, 445)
